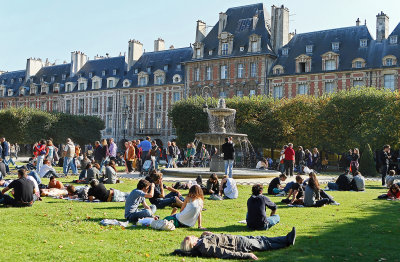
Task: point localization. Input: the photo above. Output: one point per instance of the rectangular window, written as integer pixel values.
(196, 74)
(149, 69)
(389, 62)
(95, 105)
(55, 106)
(114, 72)
(358, 64)
(309, 49)
(158, 101)
(363, 43)
(224, 50)
(222, 94)
(285, 51)
(52, 79)
(81, 86)
(68, 106)
(330, 65)
(329, 87)
(158, 121)
(240, 71)
(393, 39)
(141, 102)
(109, 124)
(103, 73)
(142, 81)
(110, 83)
(90, 75)
(358, 83)
(389, 82)
(124, 102)
(159, 80)
(239, 93)
(96, 85)
(335, 46)
(302, 67)
(109, 104)
(176, 97)
(141, 122)
(69, 88)
(81, 106)
(198, 53)
(165, 67)
(253, 69)
(302, 89)
(278, 92)
(252, 92)
(254, 46)
(64, 76)
(208, 73)
(178, 67)
(224, 72)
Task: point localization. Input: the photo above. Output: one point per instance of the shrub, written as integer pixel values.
(367, 164)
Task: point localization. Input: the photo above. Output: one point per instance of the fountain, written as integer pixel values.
(216, 136)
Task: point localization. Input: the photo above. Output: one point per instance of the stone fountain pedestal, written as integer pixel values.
(217, 164)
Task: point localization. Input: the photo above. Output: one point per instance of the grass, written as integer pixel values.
(360, 229)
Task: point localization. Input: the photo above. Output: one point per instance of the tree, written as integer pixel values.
(367, 164)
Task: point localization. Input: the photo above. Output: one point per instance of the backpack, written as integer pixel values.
(162, 224)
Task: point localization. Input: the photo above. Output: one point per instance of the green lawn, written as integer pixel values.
(360, 229)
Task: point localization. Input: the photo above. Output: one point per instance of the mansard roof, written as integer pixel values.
(396, 31)
(157, 60)
(7, 76)
(240, 24)
(349, 48)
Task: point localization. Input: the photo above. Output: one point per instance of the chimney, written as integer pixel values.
(200, 31)
(382, 26)
(78, 60)
(159, 45)
(171, 47)
(1, 72)
(279, 27)
(358, 22)
(33, 65)
(135, 51)
(223, 18)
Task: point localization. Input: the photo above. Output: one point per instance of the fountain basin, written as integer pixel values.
(217, 139)
(221, 111)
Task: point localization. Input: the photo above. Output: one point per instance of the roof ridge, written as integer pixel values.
(333, 29)
(244, 6)
(168, 50)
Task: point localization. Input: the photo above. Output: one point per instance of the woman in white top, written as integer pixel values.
(191, 209)
(228, 188)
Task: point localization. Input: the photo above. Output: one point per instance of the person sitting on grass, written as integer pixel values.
(111, 173)
(212, 186)
(358, 183)
(160, 200)
(314, 196)
(99, 191)
(89, 173)
(393, 193)
(256, 210)
(226, 246)
(136, 197)
(391, 178)
(228, 188)
(47, 170)
(24, 192)
(191, 209)
(54, 183)
(343, 183)
(274, 186)
(5, 183)
(296, 192)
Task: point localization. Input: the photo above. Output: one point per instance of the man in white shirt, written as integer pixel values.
(46, 168)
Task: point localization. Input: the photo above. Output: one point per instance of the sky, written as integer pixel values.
(53, 29)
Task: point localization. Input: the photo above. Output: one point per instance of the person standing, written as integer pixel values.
(385, 160)
(229, 151)
(145, 145)
(289, 160)
(41, 153)
(50, 151)
(112, 149)
(129, 156)
(155, 154)
(300, 159)
(104, 154)
(69, 153)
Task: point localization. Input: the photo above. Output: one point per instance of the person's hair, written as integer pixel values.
(97, 142)
(315, 150)
(356, 173)
(290, 144)
(264, 160)
(195, 192)
(173, 143)
(112, 164)
(394, 187)
(225, 176)
(392, 173)
(285, 146)
(42, 142)
(299, 179)
(186, 246)
(46, 161)
(226, 139)
(71, 189)
(155, 176)
(143, 183)
(94, 183)
(49, 143)
(356, 150)
(283, 176)
(52, 177)
(386, 146)
(257, 189)
(213, 177)
(89, 165)
(104, 142)
(313, 181)
(96, 165)
(148, 138)
(300, 147)
(22, 172)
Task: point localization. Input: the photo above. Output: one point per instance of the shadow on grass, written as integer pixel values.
(113, 207)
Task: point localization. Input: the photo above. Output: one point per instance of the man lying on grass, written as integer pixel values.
(232, 246)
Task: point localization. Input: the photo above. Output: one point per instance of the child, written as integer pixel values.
(228, 188)
(390, 178)
(275, 187)
(297, 193)
(136, 197)
(191, 209)
(393, 193)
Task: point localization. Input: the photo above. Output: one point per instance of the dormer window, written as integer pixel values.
(149, 69)
(393, 39)
(10, 92)
(64, 76)
(90, 75)
(241, 48)
(389, 61)
(358, 64)
(178, 67)
(285, 51)
(198, 53)
(210, 52)
(335, 46)
(56, 88)
(115, 72)
(363, 42)
(165, 67)
(330, 65)
(12, 80)
(142, 81)
(176, 79)
(80, 75)
(224, 49)
(278, 69)
(110, 83)
(103, 73)
(254, 46)
(52, 79)
(20, 80)
(136, 71)
(309, 49)
(44, 90)
(22, 91)
(68, 88)
(159, 80)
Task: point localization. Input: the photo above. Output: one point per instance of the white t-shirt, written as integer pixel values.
(231, 190)
(191, 212)
(35, 183)
(44, 169)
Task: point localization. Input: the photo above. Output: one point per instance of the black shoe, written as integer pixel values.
(291, 237)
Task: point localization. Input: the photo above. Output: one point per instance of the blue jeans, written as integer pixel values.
(134, 217)
(103, 164)
(69, 164)
(35, 176)
(169, 162)
(39, 162)
(333, 186)
(272, 221)
(228, 167)
(167, 200)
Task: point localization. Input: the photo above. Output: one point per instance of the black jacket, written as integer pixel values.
(344, 182)
(228, 151)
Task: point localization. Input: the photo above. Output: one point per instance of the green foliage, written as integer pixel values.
(334, 122)
(28, 125)
(367, 164)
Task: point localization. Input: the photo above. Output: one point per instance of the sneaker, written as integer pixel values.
(335, 203)
(291, 237)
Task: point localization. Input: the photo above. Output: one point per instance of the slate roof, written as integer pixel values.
(46, 73)
(240, 24)
(157, 61)
(7, 76)
(349, 49)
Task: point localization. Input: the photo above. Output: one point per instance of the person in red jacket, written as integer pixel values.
(289, 159)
